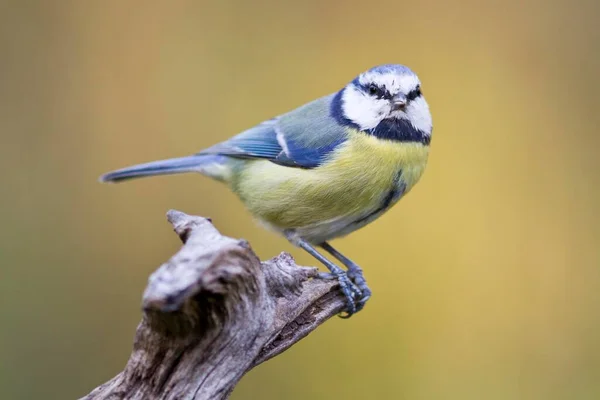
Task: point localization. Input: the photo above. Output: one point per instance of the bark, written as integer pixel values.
(213, 312)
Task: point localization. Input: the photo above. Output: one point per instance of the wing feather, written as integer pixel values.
(302, 138)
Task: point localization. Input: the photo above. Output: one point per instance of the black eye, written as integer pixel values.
(373, 90)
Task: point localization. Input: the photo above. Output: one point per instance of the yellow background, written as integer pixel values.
(486, 277)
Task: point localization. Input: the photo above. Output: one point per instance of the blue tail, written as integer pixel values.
(210, 165)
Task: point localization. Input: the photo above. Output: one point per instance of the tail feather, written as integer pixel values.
(211, 165)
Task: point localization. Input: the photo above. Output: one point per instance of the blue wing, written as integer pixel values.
(302, 138)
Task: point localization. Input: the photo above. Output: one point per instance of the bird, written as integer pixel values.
(325, 169)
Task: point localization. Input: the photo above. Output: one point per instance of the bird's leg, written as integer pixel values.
(355, 273)
(349, 289)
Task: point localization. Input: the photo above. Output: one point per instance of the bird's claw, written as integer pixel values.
(356, 297)
(356, 276)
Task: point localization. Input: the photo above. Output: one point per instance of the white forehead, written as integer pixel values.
(393, 81)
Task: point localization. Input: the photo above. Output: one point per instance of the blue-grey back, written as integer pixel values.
(303, 137)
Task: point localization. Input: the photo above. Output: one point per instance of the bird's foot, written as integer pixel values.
(355, 274)
(351, 291)
(355, 296)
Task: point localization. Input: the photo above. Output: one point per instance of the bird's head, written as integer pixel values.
(389, 95)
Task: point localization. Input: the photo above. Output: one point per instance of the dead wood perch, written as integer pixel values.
(213, 312)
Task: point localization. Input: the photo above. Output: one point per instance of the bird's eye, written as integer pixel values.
(414, 93)
(373, 89)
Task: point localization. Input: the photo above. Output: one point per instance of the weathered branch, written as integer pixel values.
(213, 312)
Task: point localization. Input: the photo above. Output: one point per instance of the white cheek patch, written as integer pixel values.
(417, 113)
(365, 111)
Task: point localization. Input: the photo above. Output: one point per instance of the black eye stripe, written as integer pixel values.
(382, 93)
(374, 90)
(413, 94)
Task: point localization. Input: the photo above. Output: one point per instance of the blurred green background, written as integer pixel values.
(486, 276)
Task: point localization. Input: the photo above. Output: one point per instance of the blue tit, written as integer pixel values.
(325, 169)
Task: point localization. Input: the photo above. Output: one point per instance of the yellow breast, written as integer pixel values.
(352, 183)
